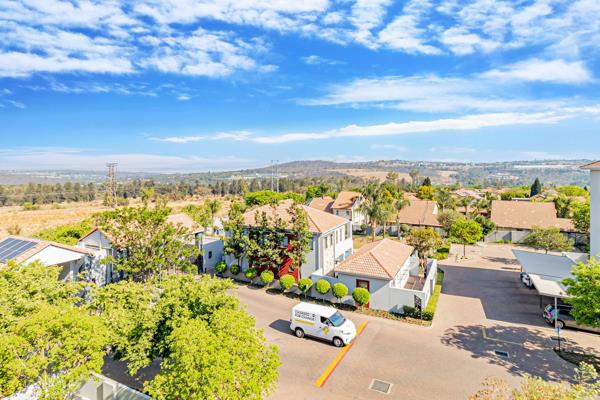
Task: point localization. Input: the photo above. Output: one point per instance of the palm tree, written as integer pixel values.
(414, 175)
(372, 205)
(400, 203)
(466, 202)
(445, 200)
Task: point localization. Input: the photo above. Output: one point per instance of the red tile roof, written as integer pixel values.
(380, 259)
(345, 200)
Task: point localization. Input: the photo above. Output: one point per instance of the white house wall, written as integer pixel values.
(595, 214)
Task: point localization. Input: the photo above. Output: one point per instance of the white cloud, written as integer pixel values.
(179, 139)
(183, 97)
(318, 60)
(555, 71)
(392, 147)
(17, 104)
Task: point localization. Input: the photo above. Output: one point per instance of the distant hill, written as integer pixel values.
(550, 172)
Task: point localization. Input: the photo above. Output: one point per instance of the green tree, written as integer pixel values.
(466, 232)
(236, 242)
(299, 236)
(426, 181)
(304, 285)
(339, 290)
(536, 188)
(448, 218)
(426, 241)
(584, 290)
(267, 277)
(425, 192)
(286, 282)
(213, 206)
(564, 206)
(265, 249)
(400, 203)
(322, 286)
(148, 245)
(445, 200)
(224, 357)
(361, 296)
(375, 206)
(66, 234)
(550, 238)
(487, 225)
(581, 216)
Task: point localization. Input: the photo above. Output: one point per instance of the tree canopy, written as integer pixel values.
(466, 232)
(550, 238)
(536, 188)
(585, 291)
(425, 241)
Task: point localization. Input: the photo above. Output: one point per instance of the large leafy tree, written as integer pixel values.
(581, 216)
(584, 289)
(548, 239)
(466, 232)
(221, 357)
(236, 241)
(375, 206)
(45, 339)
(265, 249)
(148, 245)
(425, 241)
(400, 203)
(448, 218)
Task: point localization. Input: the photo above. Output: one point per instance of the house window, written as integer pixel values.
(347, 213)
(346, 232)
(209, 255)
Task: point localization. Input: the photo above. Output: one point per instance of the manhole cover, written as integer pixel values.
(381, 386)
(501, 353)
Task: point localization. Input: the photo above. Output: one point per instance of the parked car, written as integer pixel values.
(526, 279)
(565, 319)
(322, 322)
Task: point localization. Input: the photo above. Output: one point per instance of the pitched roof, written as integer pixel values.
(318, 221)
(41, 245)
(419, 212)
(381, 259)
(594, 166)
(186, 221)
(345, 200)
(321, 203)
(526, 215)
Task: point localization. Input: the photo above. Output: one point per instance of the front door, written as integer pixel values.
(365, 285)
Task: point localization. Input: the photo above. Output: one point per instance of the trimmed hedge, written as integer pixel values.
(322, 286)
(267, 277)
(361, 296)
(221, 267)
(286, 282)
(304, 285)
(234, 269)
(339, 290)
(250, 273)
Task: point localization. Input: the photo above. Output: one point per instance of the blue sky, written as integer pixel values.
(190, 85)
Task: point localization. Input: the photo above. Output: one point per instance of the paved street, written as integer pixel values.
(480, 310)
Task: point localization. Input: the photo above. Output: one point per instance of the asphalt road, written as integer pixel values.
(481, 310)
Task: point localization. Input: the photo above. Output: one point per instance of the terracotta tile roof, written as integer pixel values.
(419, 212)
(43, 244)
(381, 259)
(345, 200)
(318, 221)
(594, 165)
(186, 221)
(322, 203)
(526, 215)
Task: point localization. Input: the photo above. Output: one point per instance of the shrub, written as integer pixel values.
(250, 273)
(14, 229)
(234, 269)
(267, 277)
(361, 296)
(304, 285)
(286, 282)
(340, 290)
(27, 206)
(322, 286)
(221, 267)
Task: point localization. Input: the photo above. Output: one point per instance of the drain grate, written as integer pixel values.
(501, 353)
(381, 386)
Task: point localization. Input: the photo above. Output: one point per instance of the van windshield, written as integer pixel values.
(337, 319)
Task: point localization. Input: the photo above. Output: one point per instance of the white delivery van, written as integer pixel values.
(322, 322)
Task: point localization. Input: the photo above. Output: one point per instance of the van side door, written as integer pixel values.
(325, 328)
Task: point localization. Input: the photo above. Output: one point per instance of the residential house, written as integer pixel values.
(389, 270)
(322, 203)
(100, 243)
(419, 214)
(73, 260)
(594, 169)
(467, 193)
(347, 205)
(331, 240)
(515, 219)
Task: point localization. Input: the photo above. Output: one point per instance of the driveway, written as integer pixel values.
(481, 310)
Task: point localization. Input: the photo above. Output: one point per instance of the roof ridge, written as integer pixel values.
(377, 259)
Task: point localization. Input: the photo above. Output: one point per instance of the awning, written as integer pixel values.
(53, 255)
(547, 271)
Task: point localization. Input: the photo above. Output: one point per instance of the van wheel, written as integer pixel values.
(337, 342)
(299, 332)
(560, 324)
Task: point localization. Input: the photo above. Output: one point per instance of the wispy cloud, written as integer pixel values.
(391, 147)
(555, 71)
(318, 60)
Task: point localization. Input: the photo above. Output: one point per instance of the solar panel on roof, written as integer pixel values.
(12, 248)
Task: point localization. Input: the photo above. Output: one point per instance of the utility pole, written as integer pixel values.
(277, 175)
(272, 174)
(111, 184)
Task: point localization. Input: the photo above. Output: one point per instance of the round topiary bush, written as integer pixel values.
(340, 290)
(361, 296)
(286, 282)
(322, 286)
(234, 269)
(221, 267)
(304, 285)
(267, 277)
(250, 273)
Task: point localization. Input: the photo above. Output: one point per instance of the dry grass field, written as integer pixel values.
(366, 174)
(49, 216)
